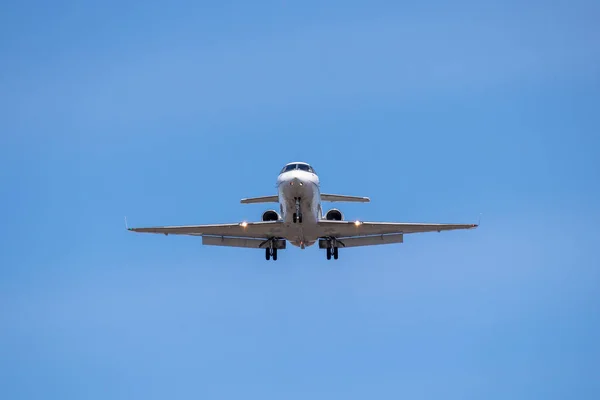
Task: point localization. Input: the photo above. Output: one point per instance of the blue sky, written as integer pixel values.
(170, 113)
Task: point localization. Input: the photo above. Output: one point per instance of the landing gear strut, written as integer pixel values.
(297, 217)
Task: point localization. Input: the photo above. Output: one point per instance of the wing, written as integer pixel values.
(255, 230)
(349, 229)
(344, 198)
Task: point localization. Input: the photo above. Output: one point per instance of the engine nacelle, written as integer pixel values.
(334, 215)
(271, 215)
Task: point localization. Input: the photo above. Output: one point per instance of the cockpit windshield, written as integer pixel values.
(301, 167)
(287, 168)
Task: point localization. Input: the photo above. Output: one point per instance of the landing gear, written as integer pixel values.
(297, 217)
(332, 249)
(269, 252)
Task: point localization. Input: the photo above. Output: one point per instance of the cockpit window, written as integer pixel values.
(301, 167)
(287, 168)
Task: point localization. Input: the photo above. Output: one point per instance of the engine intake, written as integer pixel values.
(271, 215)
(334, 215)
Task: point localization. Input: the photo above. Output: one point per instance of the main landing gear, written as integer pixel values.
(297, 217)
(332, 248)
(269, 252)
(332, 251)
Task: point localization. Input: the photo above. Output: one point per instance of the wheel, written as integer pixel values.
(268, 254)
(300, 218)
(274, 254)
(329, 253)
(295, 218)
(335, 253)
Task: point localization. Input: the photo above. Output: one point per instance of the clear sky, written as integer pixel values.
(170, 113)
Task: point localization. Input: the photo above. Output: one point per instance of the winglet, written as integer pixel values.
(473, 226)
(126, 226)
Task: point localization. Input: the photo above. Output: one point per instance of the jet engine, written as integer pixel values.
(334, 215)
(271, 215)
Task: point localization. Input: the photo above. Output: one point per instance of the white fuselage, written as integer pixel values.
(302, 185)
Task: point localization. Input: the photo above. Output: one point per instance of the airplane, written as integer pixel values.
(301, 221)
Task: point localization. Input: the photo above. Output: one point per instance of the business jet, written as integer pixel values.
(301, 222)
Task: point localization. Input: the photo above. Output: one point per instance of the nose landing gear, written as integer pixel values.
(297, 217)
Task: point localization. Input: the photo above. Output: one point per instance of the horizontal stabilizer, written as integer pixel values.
(263, 199)
(344, 198)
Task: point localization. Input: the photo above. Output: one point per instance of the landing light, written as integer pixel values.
(357, 223)
(244, 224)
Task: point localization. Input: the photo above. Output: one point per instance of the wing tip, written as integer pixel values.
(128, 228)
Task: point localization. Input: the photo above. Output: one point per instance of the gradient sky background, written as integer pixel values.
(169, 113)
